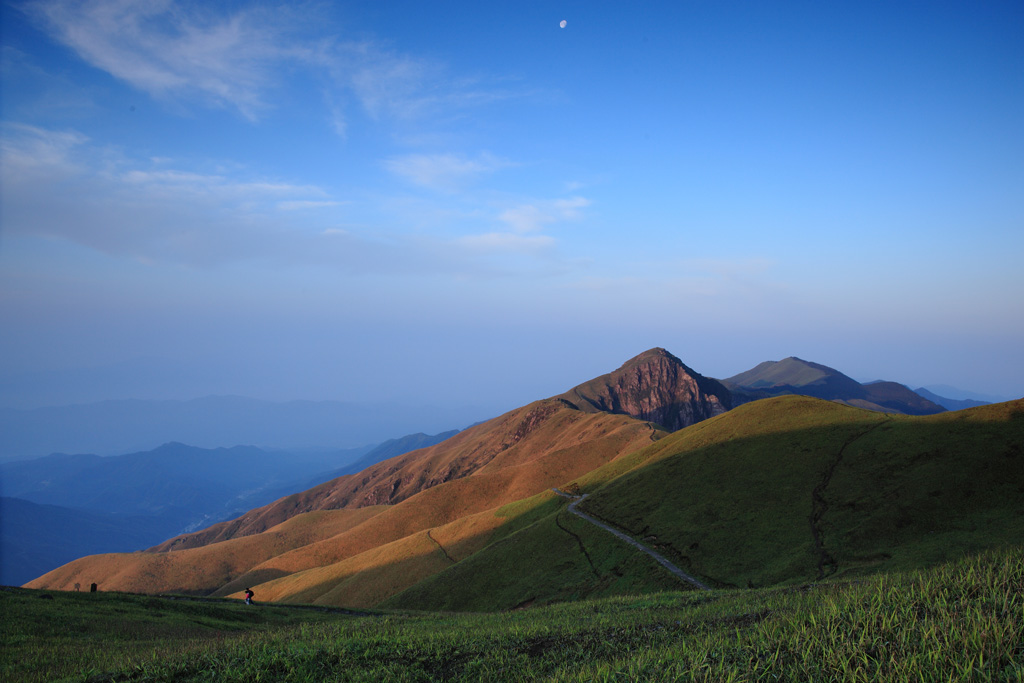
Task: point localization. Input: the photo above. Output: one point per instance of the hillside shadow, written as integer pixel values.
(798, 504)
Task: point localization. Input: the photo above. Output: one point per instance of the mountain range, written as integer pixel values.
(951, 403)
(739, 491)
(130, 426)
(795, 376)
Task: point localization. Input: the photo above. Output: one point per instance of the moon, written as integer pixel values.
(562, 23)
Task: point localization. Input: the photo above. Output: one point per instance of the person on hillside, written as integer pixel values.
(248, 596)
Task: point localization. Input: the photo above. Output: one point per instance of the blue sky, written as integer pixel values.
(465, 202)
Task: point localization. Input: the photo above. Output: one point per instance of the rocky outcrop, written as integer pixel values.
(657, 387)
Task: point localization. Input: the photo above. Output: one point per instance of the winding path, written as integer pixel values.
(658, 557)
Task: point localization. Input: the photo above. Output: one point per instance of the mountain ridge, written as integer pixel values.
(794, 375)
(654, 383)
(459, 517)
(950, 403)
(493, 443)
(115, 427)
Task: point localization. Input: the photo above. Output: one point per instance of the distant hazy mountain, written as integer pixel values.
(392, 448)
(37, 538)
(61, 507)
(962, 395)
(950, 403)
(174, 480)
(116, 427)
(796, 376)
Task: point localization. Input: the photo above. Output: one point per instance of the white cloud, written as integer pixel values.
(533, 217)
(162, 213)
(443, 172)
(121, 207)
(404, 87)
(34, 150)
(525, 225)
(179, 51)
(169, 50)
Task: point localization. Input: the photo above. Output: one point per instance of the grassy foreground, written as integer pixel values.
(962, 621)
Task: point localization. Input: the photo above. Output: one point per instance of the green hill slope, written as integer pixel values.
(794, 488)
(776, 491)
(552, 556)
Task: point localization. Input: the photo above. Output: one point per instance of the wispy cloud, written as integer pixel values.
(443, 172)
(389, 83)
(525, 225)
(158, 212)
(121, 207)
(169, 50)
(34, 150)
(185, 52)
(533, 217)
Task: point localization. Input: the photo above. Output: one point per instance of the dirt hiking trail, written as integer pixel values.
(658, 557)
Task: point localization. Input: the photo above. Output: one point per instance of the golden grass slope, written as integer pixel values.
(516, 437)
(599, 439)
(370, 577)
(506, 459)
(204, 569)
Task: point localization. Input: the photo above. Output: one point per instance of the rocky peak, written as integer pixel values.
(654, 386)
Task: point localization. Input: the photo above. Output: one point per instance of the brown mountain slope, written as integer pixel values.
(530, 449)
(509, 458)
(654, 386)
(204, 569)
(515, 437)
(446, 504)
(366, 579)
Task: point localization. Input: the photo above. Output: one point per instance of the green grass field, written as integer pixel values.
(961, 621)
